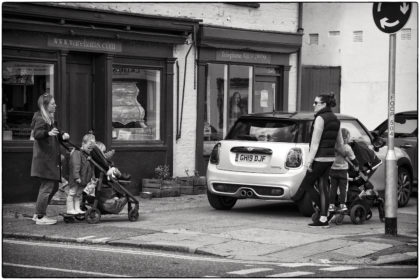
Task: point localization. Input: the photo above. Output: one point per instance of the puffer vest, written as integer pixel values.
(329, 134)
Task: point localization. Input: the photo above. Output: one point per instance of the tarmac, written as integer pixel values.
(186, 224)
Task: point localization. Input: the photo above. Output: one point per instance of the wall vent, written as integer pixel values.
(406, 34)
(358, 36)
(334, 33)
(313, 39)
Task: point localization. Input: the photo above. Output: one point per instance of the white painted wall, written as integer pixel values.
(364, 66)
(281, 17)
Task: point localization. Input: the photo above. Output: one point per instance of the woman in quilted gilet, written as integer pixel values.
(324, 140)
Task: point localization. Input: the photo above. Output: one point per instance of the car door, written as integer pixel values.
(405, 137)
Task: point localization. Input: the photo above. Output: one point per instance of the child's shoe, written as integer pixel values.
(342, 208)
(331, 208)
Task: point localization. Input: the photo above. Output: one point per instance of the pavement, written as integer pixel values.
(188, 224)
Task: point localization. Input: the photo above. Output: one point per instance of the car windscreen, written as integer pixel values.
(269, 130)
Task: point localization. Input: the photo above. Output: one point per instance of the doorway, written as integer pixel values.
(317, 80)
(79, 93)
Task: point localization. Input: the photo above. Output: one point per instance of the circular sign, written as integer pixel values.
(390, 17)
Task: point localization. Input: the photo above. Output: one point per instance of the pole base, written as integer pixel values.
(391, 226)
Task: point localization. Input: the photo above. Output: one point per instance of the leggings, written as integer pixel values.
(320, 170)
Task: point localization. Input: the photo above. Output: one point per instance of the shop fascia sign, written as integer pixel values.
(242, 56)
(86, 44)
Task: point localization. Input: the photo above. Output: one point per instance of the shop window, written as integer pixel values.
(23, 83)
(249, 90)
(135, 104)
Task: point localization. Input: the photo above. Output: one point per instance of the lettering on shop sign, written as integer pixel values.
(238, 56)
(84, 44)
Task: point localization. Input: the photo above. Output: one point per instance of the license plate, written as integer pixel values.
(251, 158)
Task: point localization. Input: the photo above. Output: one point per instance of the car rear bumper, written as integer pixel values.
(254, 185)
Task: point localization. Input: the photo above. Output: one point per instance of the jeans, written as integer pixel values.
(320, 172)
(46, 192)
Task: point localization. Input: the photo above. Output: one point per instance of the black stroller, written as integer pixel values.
(361, 195)
(110, 195)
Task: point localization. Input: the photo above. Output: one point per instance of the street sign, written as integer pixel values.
(390, 17)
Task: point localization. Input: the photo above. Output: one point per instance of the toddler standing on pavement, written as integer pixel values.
(81, 173)
(339, 173)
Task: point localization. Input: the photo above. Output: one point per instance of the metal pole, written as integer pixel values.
(391, 199)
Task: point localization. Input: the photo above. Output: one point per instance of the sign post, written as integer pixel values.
(390, 17)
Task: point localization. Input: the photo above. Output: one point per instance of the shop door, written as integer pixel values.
(317, 80)
(79, 89)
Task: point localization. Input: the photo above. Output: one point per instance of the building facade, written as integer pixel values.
(346, 53)
(158, 82)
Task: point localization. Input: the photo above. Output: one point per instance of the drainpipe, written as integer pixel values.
(177, 97)
(178, 136)
(299, 60)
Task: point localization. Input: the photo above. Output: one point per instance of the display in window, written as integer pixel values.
(22, 84)
(127, 113)
(135, 104)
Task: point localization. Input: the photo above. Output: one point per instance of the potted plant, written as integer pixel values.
(193, 183)
(162, 185)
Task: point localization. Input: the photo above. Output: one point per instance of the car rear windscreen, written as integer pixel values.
(265, 130)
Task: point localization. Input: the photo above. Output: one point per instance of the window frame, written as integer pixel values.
(163, 100)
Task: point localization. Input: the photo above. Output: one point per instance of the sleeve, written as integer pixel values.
(75, 162)
(40, 129)
(316, 138)
(350, 155)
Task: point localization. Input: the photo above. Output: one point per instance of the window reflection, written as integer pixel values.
(23, 83)
(135, 104)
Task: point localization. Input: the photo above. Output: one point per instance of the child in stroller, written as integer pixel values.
(361, 195)
(107, 195)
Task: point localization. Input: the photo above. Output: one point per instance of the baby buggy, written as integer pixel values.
(109, 196)
(361, 195)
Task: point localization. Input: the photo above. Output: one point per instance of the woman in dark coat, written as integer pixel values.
(46, 161)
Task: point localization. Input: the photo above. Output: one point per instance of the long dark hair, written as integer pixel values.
(328, 99)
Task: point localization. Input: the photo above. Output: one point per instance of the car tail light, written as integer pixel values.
(294, 158)
(214, 156)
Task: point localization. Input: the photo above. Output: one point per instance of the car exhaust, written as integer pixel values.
(243, 193)
(249, 194)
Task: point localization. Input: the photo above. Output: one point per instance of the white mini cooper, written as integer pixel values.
(263, 156)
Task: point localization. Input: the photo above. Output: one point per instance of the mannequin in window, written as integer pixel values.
(237, 108)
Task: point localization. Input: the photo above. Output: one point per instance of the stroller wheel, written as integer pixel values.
(133, 214)
(369, 215)
(93, 216)
(358, 214)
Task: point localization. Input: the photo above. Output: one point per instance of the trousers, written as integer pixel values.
(320, 172)
(46, 192)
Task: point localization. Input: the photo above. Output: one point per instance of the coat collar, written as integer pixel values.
(322, 111)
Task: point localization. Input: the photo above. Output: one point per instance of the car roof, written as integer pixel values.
(407, 113)
(291, 115)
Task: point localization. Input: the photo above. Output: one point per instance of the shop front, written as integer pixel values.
(239, 72)
(110, 74)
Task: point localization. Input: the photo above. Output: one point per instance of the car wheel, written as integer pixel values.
(221, 202)
(404, 186)
(305, 205)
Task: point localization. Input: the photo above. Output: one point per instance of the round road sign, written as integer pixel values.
(390, 17)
